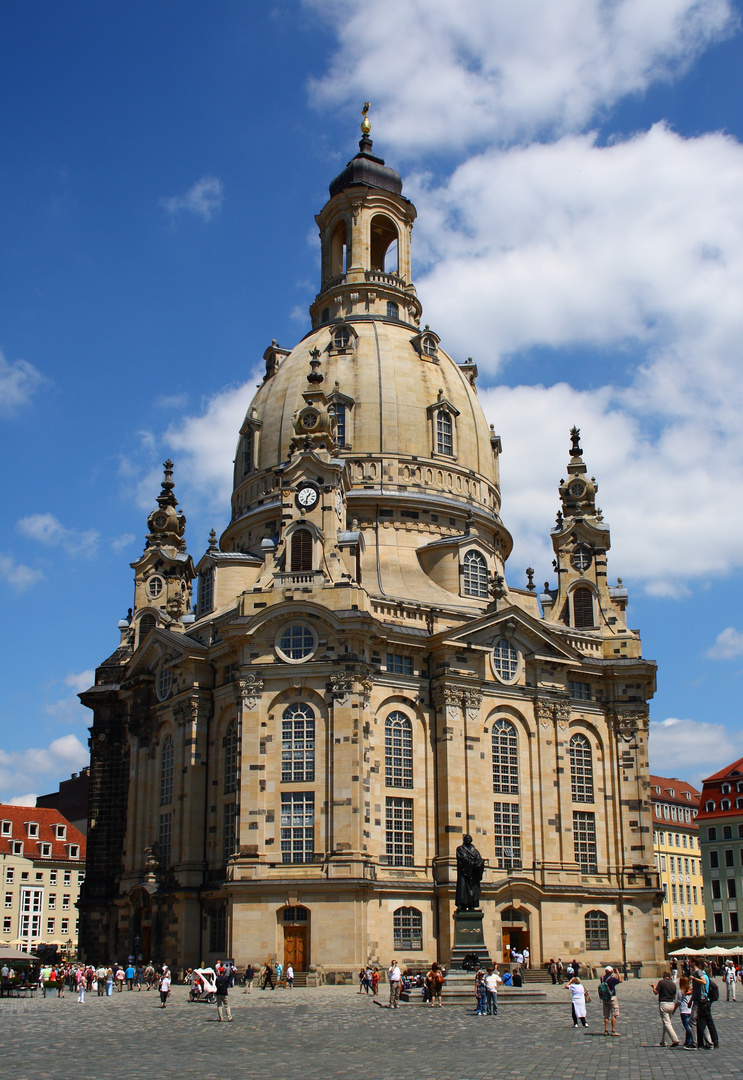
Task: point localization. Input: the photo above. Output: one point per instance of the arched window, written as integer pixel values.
(298, 743)
(301, 551)
(383, 245)
(341, 338)
(146, 623)
(444, 433)
(583, 608)
(597, 930)
(407, 928)
(581, 769)
(338, 250)
(230, 759)
(505, 758)
(166, 771)
(248, 450)
(475, 575)
(398, 751)
(725, 804)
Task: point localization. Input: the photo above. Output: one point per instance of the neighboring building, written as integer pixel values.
(720, 821)
(71, 800)
(287, 771)
(42, 863)
(678, 857)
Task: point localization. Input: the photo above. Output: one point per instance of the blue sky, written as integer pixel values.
(577, 167)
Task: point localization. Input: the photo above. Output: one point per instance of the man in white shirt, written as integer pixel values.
(395, 984)
(164, 988)
(526, 958)
(491, 991)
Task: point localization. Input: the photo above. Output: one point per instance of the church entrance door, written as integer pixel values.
(295, 947)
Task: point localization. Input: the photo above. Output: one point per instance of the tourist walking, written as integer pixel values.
(578, 1001)
(375, 982)
(610, 980)
(290, 976)
(560, 969)
(268, 977)
(434, 982)
(729, 976)
(666, 992)
(395, 978)
(480, 994)
(81, 985)
(552, 968)
(249, 976)
(164, 988)
(223, 988)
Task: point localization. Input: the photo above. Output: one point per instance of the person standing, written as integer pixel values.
(268, 977)
(129, 975)
(684, 1006)
(491, 991)
(434, 982)
(608, 995)
(527, 957)
(223, 989)
(164, 988)
(81, 985)
(290, 976)
(560, 969)
(675, 970)
(395, 978)
(552, 968)
(578, 1001)
(666, 993)
(249, 976)
(729, 977)
(480, 994)
(375, 982)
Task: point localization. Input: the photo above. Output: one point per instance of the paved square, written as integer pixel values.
(334, 1032)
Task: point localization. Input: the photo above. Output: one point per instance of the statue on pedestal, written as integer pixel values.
(470, 867)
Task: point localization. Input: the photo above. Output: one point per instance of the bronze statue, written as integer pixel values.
(470, 867)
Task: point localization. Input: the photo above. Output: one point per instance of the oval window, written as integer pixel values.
(296, 642)
(505, 660)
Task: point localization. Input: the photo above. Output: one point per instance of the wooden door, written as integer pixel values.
(295, 947)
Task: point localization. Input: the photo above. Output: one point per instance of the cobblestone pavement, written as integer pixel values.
(334, 1032)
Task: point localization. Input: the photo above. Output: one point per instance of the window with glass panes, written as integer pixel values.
(507, 835)
(164, 838)
(298, 744)
(398, 664)
(340, 424)
(398, 751)
(230, 759)
(297, 826)
(166, 771)
(581, 769)
(475, 575)
(399, 832)
(597, 930)
(584, 841)
(229, 830)
(407, 928)
(444, 433)
(505, 758)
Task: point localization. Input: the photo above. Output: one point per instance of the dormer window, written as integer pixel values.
(74, 851)
(16, 847)
(46, 851)
(341, 338)
(32, 830)
(60, 832)
(444, 433)
(657, 791)
(726, 789)
(725, 804)
(475, 575)
(7, 828)
(672, 792)
(709, 806)
(429, 346)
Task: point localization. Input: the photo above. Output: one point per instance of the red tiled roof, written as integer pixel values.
(681, 790)
(46, 819)
(734, 771)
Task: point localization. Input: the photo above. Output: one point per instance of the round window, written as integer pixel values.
(505, 660)
(155, 586)
(341, 339)
(296, 642)
(309, 420)
(581, 559)
(164, 683)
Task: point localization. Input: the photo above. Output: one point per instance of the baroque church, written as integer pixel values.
(284, 760)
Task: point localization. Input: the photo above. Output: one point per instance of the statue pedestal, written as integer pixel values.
(468, 940)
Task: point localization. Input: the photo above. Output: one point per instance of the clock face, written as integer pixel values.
(307, 497)
(576, 490)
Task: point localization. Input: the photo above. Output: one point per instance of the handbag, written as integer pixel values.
(588, 998)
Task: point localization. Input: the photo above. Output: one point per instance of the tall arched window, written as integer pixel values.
(230, 759)
(444, 433)
(581, 769)
(597, 930)
(583, 608)
(475, 575)
(301, 551)
(166, 771)
(298, 743)
(505, 758)
(248, 450)
(398, 751)
(407, 928)
(383, 244)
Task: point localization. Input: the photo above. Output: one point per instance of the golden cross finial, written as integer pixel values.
(365, 125)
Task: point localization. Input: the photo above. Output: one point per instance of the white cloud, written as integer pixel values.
(80, 681)
(122, 542)
(23, 800)
(48, 530)
(204, 199)
(205, 443)
(22, 770)
(69, 709)
(18, 576)
(172, 401)
(19, 381)
(691, 748)
(728, 644)
(443, 75)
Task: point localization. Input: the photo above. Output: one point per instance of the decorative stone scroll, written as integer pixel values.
(627, 722)
(549, 711)
(471, 702)
(358, 680)
(450, 699)
(248, 689)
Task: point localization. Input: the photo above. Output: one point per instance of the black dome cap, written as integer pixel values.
(366, 170)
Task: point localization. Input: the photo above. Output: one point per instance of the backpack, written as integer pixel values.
(439, 978)
(713, 991)
(604, 991)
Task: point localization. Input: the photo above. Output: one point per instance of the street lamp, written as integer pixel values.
(623, 936)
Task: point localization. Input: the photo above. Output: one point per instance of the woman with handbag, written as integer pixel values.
(579, 997)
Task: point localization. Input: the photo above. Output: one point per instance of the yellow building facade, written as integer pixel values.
(285, 768)
(678, 857)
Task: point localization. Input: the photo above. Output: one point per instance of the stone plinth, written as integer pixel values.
(468, 940)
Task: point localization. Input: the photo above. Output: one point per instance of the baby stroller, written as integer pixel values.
(203, 985)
